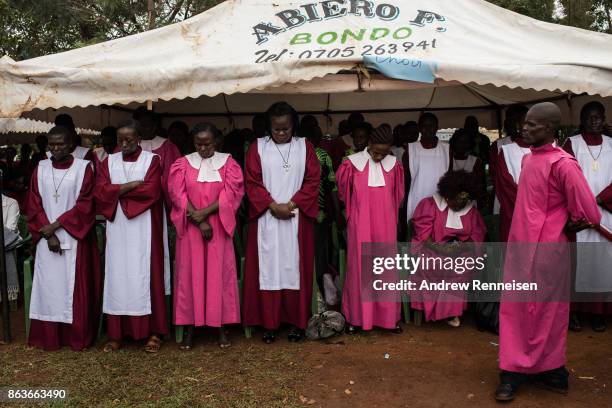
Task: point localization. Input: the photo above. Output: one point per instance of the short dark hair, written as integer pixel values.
(180, 125)
(461, 133)
(131, 124)
(454, 182)
(61, 130)
(281, 109)
(590, 106)
(207, 127)
(428, 115)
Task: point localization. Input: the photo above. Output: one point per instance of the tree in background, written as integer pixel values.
(31, 28)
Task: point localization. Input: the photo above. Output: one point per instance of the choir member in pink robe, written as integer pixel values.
(424, 163)
(449, 216)
(506, 155)
(66, 290)
(128, 195)
(206, 188)
(282, 183)
(553, 192)
(371, 185)
(593, 150)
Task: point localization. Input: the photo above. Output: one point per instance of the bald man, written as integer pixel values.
(553, 196)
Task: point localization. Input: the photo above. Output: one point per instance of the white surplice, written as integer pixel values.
(593, 260)
(54, 274)
(277, 240)
(426, 168)
(127, 278)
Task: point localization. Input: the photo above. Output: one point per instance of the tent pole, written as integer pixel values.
(6, 318)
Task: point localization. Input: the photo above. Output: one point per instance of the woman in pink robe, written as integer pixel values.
(433, 224)
(372, 205)
(552, 192)
(206, 188)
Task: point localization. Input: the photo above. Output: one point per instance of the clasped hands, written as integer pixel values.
(198, 218)
(283, 211)
(48, 232)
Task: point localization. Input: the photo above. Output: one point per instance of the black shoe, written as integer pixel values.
(269, 337)
(350, 329)
(555, 381)
(295, 335)
(505, 392)
(574, 322)
(398, 330)
(598, 323)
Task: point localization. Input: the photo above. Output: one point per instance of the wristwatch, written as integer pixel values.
(292, 205)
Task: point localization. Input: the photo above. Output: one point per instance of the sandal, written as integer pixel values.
(153, 344)
(398, 330)
(269, 337)
(223, 341)
(454, 322)
(352, 329)
(111, 346)
(295, 335)
(187, 342)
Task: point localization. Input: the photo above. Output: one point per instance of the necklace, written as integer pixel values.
(286, 164)
(595, 164)
(56, 195)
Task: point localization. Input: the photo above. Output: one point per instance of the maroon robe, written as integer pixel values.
(145, 197)
(606, 197)
(506, 190)
(270, 308)
(86, 302)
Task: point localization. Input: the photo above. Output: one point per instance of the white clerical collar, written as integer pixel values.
(453, 219)
(375, 174)
(209, 167)
(153, 144)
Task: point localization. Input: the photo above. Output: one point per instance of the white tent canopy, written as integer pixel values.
(238, 57)
(23, 130)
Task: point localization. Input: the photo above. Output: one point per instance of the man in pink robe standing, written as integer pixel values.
(552, 191)
(371, 185)
(206, 188)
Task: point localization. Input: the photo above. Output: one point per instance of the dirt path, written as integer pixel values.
(428, 366)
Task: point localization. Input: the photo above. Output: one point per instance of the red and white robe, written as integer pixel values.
(280, 253)
(66, 289)
(134, 285)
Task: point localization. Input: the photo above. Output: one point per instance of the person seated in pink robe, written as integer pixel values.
(206, 188)
(129, 195)
(450, 216)
(66, 289)
(371, 185)
(282, 183)
(553, 199)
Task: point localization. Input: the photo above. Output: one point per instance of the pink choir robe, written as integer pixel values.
(605, 196)
(372, 216)
(79, 223)
(205, 280)
(552, 190)
(148, 196)
(270, 308)
(505, 190)
(430, 223)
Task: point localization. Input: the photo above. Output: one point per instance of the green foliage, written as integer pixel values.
(31, 28)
